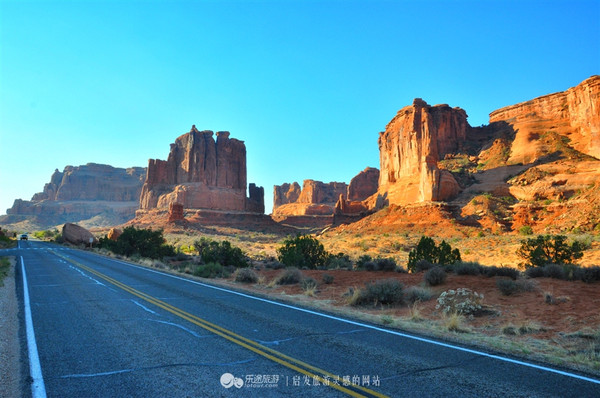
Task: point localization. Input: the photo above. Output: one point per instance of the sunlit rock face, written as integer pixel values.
(573, 114)
(201, 173)
(410, 147)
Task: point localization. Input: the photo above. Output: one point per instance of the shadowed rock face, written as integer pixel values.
(315, 198)
(201, 173)
(364, 184)
(410, 147)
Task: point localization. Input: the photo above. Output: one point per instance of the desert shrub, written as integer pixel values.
(290, 276)
(339, 261)
(210, 270)
(422, 265)
(360, 263)
(303, 251)
(308, 283)
(220, 252)
(587, 274)
(139, 242)
(507, 286)
(380, 292)
(555, 271)
(4, 269)
(526, 230)
(416, 293)
(466, 268)
(461, 301)
(386, 264)
(534, 272)
(327, 279)
(246, 275)
(427, 250)
(500, 271)
(369, 266)
(274, 264)
(549, 249)
(435, 276)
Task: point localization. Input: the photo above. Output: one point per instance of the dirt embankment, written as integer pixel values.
(10, 368)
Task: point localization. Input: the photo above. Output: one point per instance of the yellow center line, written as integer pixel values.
(273, 355)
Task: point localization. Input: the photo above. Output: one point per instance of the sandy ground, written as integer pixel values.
(10, 368)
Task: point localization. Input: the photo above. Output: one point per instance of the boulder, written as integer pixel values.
(114, 233)
(77, 235)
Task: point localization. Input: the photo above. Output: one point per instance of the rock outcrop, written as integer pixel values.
(363, 185)
(201, 173)
(411, 146)
(92, 195)
(77, 235)
(573, 114)
(316, 198)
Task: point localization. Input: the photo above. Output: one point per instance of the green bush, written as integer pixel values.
(246, 275)
(435, 276)
(549, 249)
(526, 230)
(139, 242)
(210, 270)
(220, 252)
(362, 260)
(422, 265)
(381, 292)
(427, 250)
(303, 251)
(534, 272)
(327, 279)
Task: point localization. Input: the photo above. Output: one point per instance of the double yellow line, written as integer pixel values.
(322, 376)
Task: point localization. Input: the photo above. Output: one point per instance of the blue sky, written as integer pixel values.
(308, 85)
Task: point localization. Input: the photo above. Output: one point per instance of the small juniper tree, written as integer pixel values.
(427, 250)
(549, 249)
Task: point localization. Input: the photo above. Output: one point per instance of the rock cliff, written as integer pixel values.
(91, 195)
(411, 146)
(573, 114)
(201, 173)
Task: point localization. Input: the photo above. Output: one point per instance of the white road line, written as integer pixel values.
(393, 332)
(38, 389)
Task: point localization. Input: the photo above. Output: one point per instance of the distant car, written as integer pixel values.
(23, 237)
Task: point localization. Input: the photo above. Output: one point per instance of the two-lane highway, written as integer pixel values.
(104, 327)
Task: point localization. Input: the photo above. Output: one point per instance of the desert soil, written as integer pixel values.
(10, 367)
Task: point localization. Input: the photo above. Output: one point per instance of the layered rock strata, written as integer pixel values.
(201, 173)
(574, 114)
(91, 194)
(411, 146)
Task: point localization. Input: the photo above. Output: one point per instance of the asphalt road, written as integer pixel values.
(105, 328)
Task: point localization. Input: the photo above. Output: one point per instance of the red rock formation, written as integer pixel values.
(92, 194)
(574, 113)
(114, 233)
(410, 147)
(175, 212)
(364, 184)
(315, 198)
(201, 174)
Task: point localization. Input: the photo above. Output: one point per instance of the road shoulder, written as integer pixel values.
(10, 363)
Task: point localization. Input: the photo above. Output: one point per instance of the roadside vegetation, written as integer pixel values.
(4, 269)
(412, 283)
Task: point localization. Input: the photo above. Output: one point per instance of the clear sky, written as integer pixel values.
(308, 85)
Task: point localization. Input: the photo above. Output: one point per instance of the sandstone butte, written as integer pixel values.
(92, 194)
(200, 174)
(304, 206)
(540, 158)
